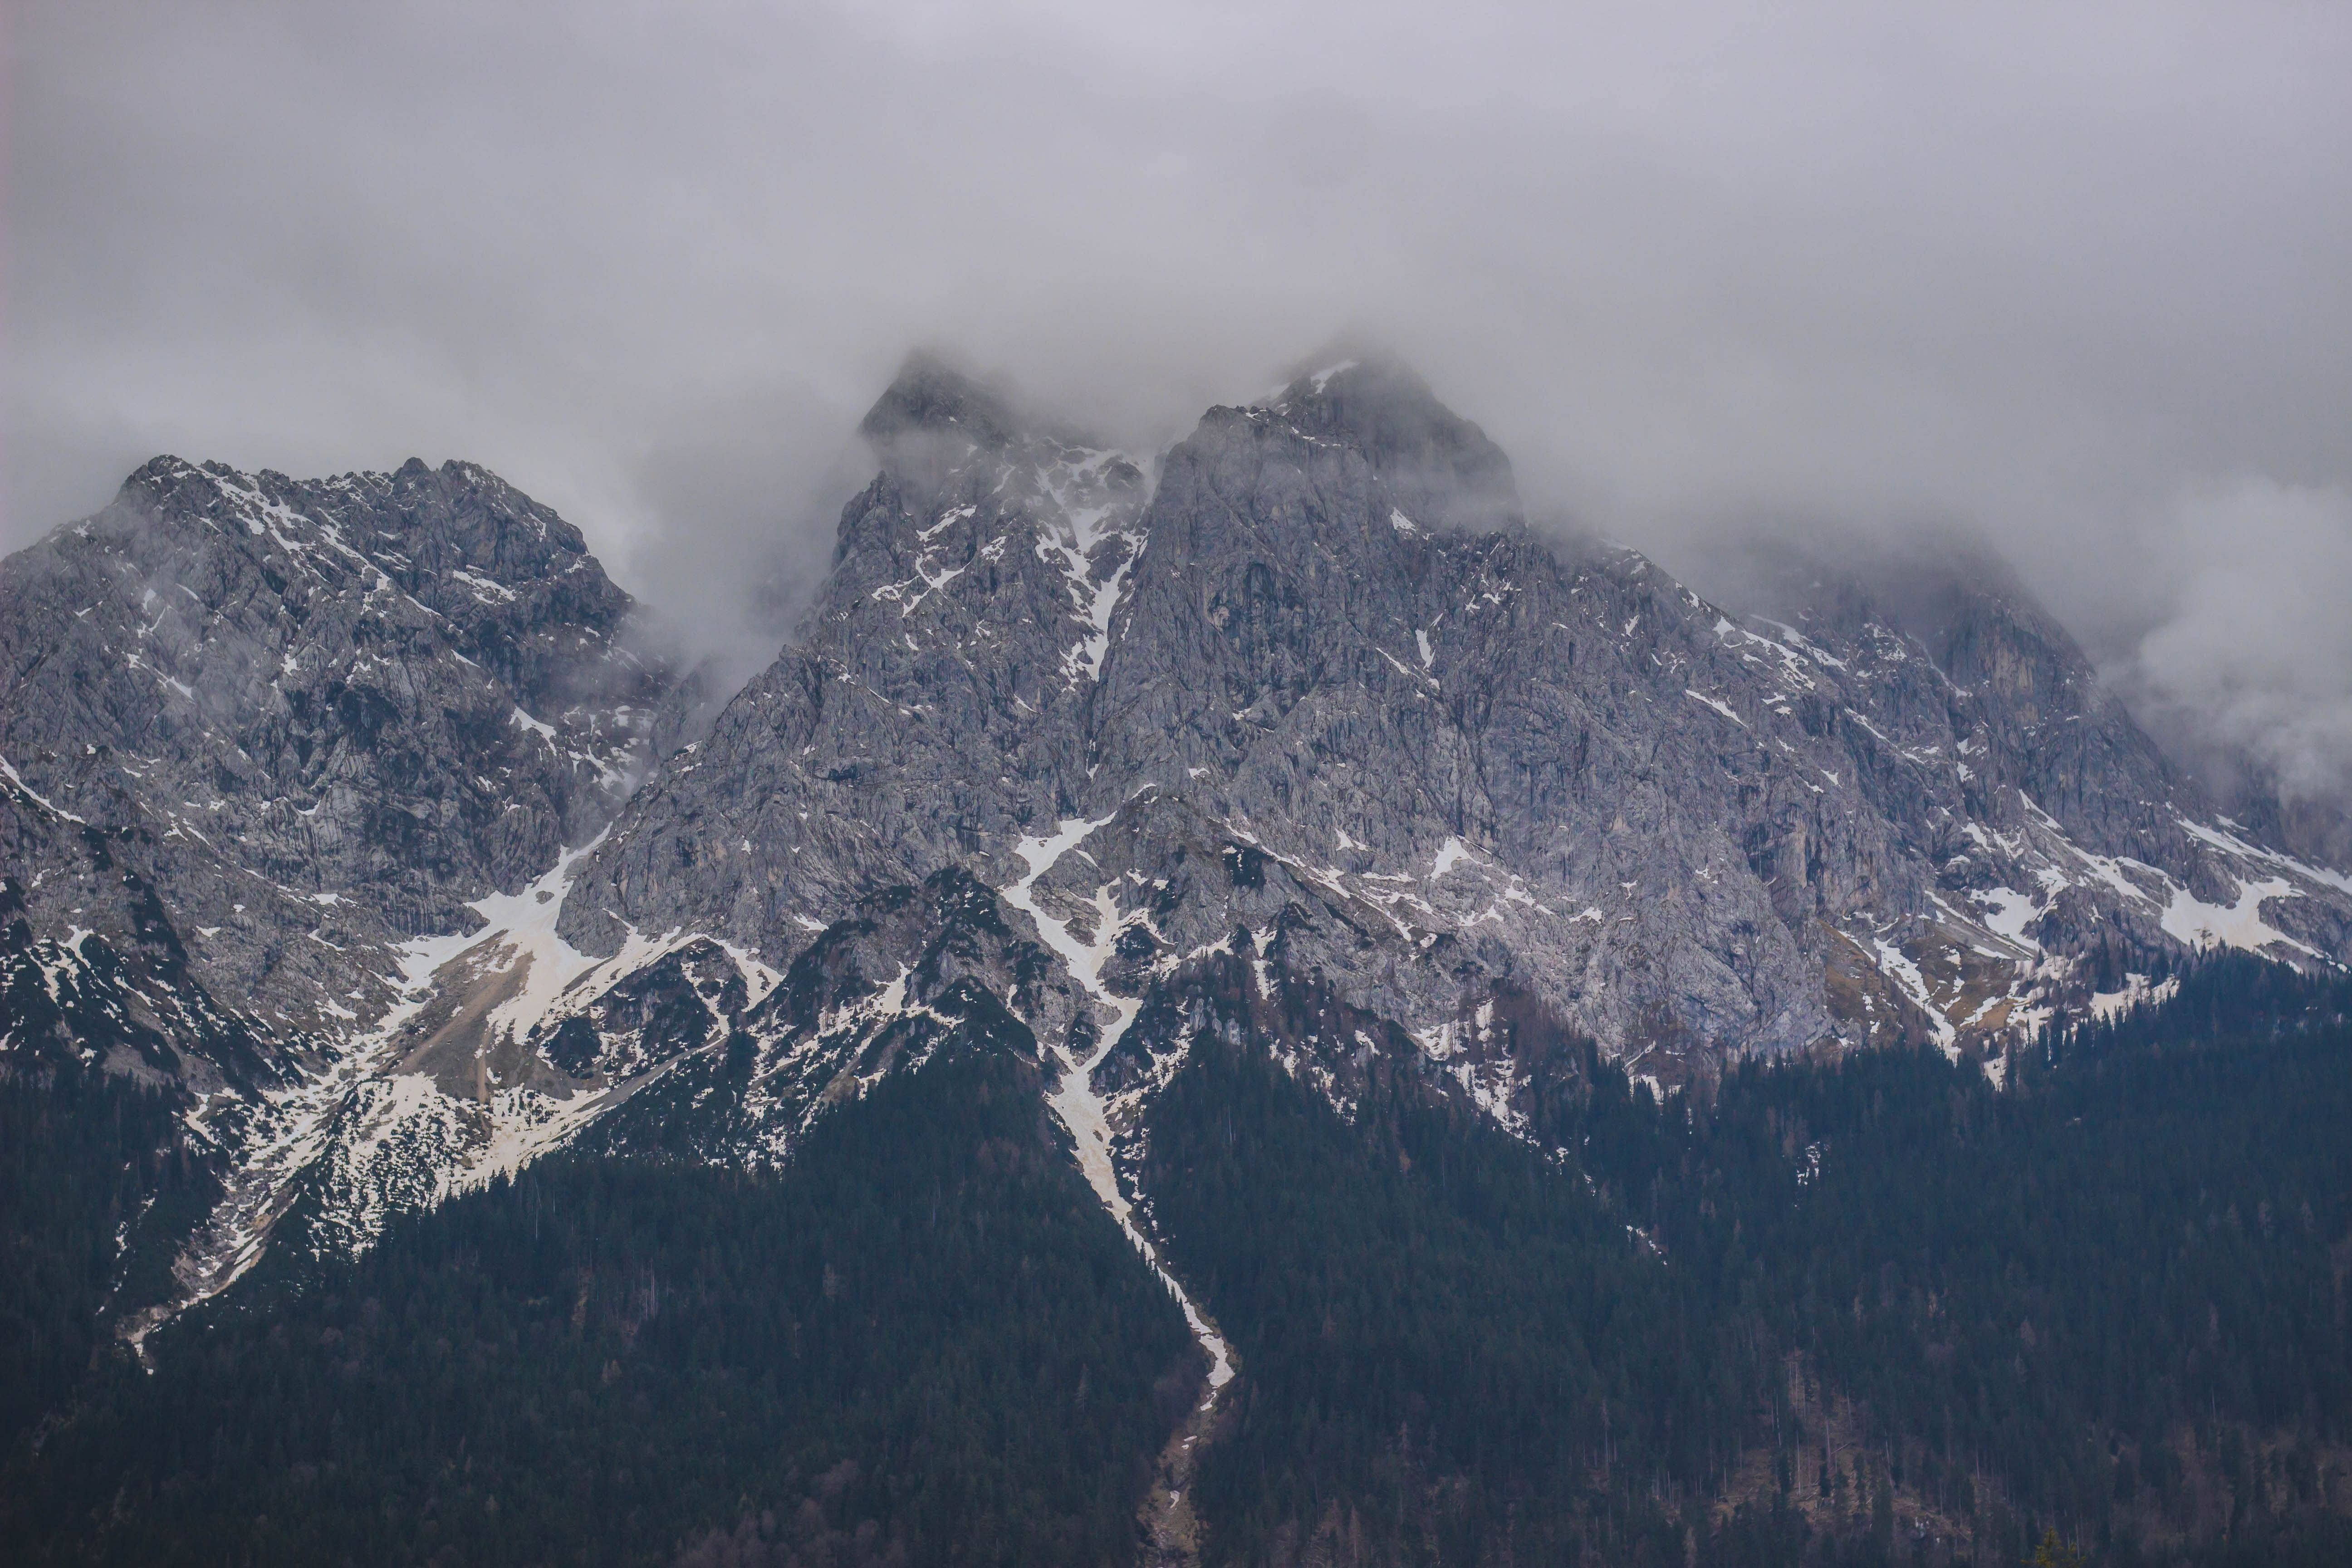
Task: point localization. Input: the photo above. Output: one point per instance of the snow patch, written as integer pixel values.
(1449, 854)
(1074, 542)
(1074, 1100)
(1718, 705)
(1896, 965)
(2105, 1005)
(33, 796)
(1322, 378)
(486, 590)
(2006, 913)
(2191, 920)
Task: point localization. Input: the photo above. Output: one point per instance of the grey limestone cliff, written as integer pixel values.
(258, 735)
(1296, 728)
(1467, 755)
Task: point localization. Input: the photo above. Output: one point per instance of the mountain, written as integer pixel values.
(2316, 827)
(1286, 779)
(1317, 680)
(1864, 1310)
(256, 735)
(343, 779)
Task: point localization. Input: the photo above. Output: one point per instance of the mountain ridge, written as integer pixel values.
(1303, 693)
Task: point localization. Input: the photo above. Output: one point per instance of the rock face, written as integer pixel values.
(936, 703)
(1299, 723)
(258, 734)
(1448, 755)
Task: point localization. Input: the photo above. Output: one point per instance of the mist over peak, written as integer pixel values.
(1448, 471)
(931, 394)
(2070, 280)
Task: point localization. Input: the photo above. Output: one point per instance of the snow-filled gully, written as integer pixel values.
(1075, 1101)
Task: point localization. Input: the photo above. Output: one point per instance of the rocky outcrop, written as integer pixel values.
(936, 704)
(1456, 757)
(396, 690)
(259, 736)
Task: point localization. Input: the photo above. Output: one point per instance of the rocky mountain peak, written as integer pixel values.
(2018, 688)
(1298, 708)
(262, 735)
(1968, 610)
(933, 418)
(929, 392)
(1439, 464)
(396, 691)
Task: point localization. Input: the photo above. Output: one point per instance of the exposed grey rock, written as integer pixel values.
(934, 708)
(2316, 827)
(1456, 757)
(400, 690)
(1298, 729)
(878, 992)
(260, 733)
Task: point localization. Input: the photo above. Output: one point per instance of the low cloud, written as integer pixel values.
(2069, 279)
(2250, 656)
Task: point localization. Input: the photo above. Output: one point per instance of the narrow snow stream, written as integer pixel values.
(1076, 1101)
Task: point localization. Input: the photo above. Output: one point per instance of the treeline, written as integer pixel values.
(1865, 1310)
(924, 1343)
(1853, 1312)
(1444, 1340)
(2058, 1285)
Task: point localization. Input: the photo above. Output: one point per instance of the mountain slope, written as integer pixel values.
(923, 1343)
(1471, 756)
(1290, 775)
(1062, 727)
(256, 735)
(1869, 1311)
(934, 705)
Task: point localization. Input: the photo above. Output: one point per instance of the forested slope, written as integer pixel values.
(925, 1342)
(1869, 1308)
(1856, 1310)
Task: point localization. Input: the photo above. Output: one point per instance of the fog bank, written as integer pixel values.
(2069, 279)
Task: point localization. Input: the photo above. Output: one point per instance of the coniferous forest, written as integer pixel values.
(1866, 1310)
(927, 1342)
(1863, 1310)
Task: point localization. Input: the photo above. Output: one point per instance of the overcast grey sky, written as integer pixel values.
(2070, 275)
